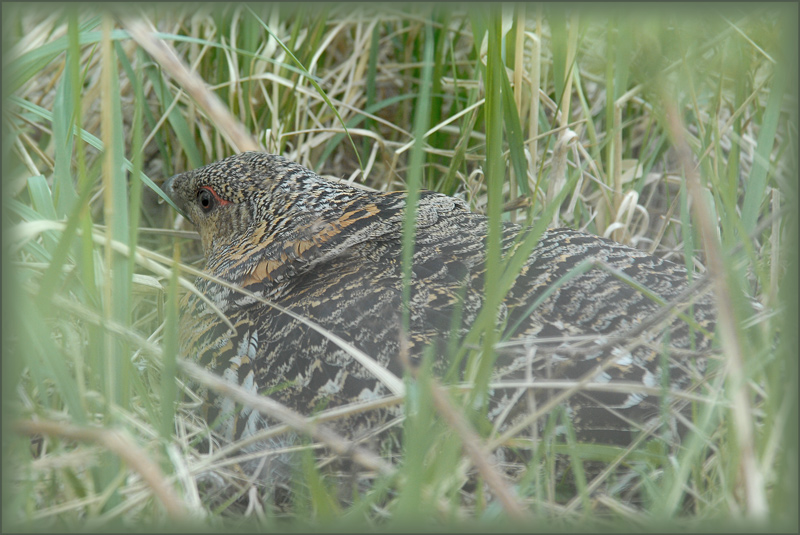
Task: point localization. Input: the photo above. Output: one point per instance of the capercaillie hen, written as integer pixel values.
(332, 253)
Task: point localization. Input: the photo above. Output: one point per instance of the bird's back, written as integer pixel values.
(584, 316)
(559, 320)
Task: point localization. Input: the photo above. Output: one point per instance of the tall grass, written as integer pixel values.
(538, 114)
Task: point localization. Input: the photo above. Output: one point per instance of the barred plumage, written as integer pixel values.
(332, 253)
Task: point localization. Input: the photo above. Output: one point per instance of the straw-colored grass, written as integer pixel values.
(669, 130)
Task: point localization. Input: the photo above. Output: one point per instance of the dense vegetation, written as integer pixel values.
(670, 131)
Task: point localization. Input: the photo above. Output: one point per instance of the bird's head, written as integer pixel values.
(258, 209)
(214, 197)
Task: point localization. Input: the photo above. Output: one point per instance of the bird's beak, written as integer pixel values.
(169, 193)
(166, 187)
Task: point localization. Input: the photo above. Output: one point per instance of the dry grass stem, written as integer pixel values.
(295, 420)
(194, 85)
(756, 502)
(124, 447)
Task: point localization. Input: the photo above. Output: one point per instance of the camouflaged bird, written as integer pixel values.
(331, 253)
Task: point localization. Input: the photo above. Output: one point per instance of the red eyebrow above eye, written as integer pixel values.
(220, 200)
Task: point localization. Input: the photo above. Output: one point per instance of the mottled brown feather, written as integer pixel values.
(332, 253)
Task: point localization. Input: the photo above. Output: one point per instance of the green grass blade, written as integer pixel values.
(757, 183)
(95, 142)
(177, 121)
(313, 82)
(169, 394)
(516, 143)
(415, 173)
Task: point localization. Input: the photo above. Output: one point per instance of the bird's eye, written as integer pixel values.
(206, 200)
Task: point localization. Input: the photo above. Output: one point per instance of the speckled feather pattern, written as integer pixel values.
(332, 253)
